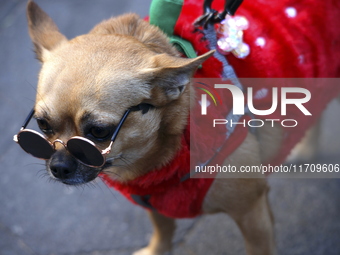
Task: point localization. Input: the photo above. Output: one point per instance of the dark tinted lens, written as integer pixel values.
(35, 145)
(85, 152)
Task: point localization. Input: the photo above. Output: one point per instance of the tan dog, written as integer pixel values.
(87, 83)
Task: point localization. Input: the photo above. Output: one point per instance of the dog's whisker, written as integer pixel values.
(40, 96)
(42, 174)
(129, 164)
(111, 159)
(109, 172)
(31, 164)
(53, 180)
(107, 187)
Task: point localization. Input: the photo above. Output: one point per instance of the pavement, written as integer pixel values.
(41, 217)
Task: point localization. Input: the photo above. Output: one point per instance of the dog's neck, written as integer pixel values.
(175, 113)
(168, 142)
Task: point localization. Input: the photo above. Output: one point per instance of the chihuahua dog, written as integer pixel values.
(124, 76)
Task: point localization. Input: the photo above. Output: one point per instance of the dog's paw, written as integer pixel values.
(149, 251)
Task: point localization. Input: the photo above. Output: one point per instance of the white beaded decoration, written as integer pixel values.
(260, 41)
(291, 12)
(231, 36)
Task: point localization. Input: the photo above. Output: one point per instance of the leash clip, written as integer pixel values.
(212, 16)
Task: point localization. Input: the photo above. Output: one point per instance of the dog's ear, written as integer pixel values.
(43, 31)
(173, 74)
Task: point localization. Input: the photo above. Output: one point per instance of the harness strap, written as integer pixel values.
(143, 201)
(164, 14)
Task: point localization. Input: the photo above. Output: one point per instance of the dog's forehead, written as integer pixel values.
(92, 71)
(91, 58)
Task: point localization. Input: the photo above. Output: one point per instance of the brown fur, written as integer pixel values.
(122, 62)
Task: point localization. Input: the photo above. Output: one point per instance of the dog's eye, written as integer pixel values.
(44, 126)
(100, 133)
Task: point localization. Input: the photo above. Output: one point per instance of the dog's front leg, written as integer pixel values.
(245, 199)
(161, 240)
(257, 228)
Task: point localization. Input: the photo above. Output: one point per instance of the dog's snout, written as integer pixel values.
(62, 165)
(61, 171)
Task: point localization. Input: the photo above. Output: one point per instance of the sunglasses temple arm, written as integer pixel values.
(115, 134)
(29, 117)
(27, 120)
(120, 124)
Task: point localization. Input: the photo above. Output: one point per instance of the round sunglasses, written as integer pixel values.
(82, 149)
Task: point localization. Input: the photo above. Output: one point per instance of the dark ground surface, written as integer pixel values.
(42, 217)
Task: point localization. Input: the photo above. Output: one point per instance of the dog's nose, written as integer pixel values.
(61, 171)
(62, 165)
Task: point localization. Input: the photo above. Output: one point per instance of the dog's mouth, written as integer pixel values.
(75, 182)
(64, 168)
(69, 171)
(78, 177)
